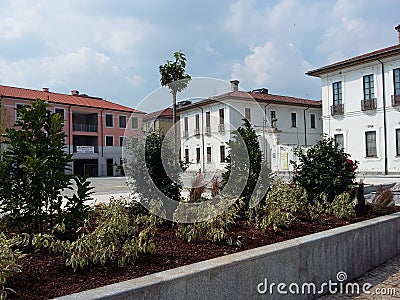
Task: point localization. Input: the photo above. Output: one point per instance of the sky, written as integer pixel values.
(113, 49)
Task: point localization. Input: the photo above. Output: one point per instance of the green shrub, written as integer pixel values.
(343, 207)
(118, 237)
(214, 229)
(316, 209)
(8, 263)
(279, 207)
(324, 168)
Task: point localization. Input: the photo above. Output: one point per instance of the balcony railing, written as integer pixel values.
(197, 131)
(185, 133)
(208, 130)
(84, 127)
(221, 127)
(368, 104)
(337, 109)
(395, 100)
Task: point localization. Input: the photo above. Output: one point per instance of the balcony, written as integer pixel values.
(84, 127)
(221, 127)
(337, 109)
(208, 130)
(197, 131)
(368, 104)
(395, 100)
(185, 133)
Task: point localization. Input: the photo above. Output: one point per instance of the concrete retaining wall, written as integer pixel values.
(316, 258)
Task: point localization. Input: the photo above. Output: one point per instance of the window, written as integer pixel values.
(222, 153)
(370, 143)
(60, 111)
(109, 120)
(369, 87)
(208, 119)
(294, 119)
(109, 140)
(197, 155)
(339, 142)
(312, 120)
(397, 142)
(247, 114)
(208, 155)
(337, 93)
(396, 81)
(186, 158)
(122, 121)
(121, 141)
(273, 114)
(221, 116)
(18, 106)
(186, 124)
(135, 123)
(197, 119)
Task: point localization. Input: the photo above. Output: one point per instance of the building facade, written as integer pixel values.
(95, 128)
(160, 120)
(281, 122)
(361, 108)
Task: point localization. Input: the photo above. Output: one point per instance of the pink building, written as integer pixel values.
(95, 128)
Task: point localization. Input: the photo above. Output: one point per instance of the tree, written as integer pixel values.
(32, 171)
(173, 75)
(324, 168)
(153, 171)
(248, 166)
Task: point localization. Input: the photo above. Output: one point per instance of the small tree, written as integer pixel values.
(153, 171)
(324, 169)
(248, 166)
(32, 171)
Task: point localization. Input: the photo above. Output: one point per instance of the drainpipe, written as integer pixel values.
(384, 118)
(305, 126)
(202, 138)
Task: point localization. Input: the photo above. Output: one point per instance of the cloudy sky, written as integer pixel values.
(112, 49)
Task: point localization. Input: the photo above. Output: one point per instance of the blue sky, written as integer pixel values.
(112, 49)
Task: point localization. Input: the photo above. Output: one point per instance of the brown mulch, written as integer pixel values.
(45, 276)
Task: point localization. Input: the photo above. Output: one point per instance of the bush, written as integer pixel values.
(214, 229)
(343, 207)
(32, 169)
(117, 238)
(279, 207)
(8, 264)
(324, 169)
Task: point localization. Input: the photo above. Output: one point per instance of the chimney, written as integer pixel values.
(45, 89)
(75, 93)
(234, 85)
(398, 31)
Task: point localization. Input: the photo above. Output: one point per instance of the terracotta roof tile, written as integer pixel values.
(78, 100)
(385, 52)
(167, 112)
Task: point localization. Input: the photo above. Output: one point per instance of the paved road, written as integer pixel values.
(385, 282)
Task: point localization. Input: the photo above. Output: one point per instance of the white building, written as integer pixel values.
(281, 123)
(361, 108)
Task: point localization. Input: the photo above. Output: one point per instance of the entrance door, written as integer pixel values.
(110, 167)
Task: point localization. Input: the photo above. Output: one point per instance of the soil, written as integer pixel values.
(45, 276)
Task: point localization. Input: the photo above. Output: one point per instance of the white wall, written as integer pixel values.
(234, 113)
(354, 122)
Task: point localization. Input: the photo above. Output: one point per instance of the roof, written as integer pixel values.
(76, 100)
(167, 112)
(259, 97)
(367, 57)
